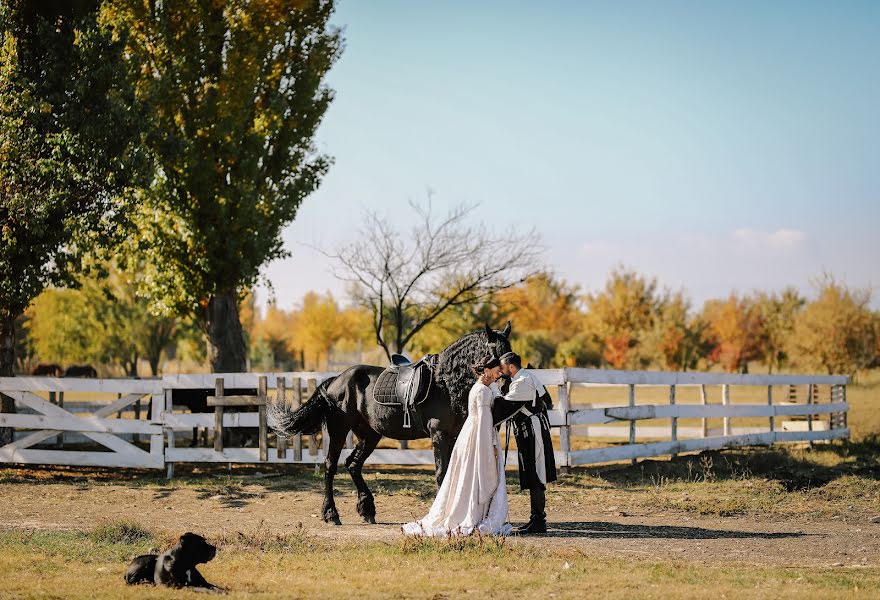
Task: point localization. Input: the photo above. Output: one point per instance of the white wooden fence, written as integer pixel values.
(805, 413)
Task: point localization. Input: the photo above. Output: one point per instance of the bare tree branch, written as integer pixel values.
(449, 260)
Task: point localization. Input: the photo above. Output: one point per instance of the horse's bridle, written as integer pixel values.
(493, 347)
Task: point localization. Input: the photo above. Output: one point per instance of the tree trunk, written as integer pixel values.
(226, 349)
(154, 365)
(133, 367)
(7, 362)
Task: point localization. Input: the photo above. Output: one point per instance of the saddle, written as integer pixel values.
(405, 384)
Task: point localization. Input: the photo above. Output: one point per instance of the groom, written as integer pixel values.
(525, 405)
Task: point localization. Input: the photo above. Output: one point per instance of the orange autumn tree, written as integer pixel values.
(734, 331)
(548, 323)
(621, 315)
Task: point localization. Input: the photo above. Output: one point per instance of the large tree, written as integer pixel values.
(66, 156)
(233, 93)
(445, 261)
(836, 332)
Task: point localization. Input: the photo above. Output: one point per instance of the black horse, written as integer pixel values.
(345, 403)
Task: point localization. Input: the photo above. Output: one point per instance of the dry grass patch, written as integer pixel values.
(55, 565)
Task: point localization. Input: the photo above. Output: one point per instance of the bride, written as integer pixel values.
(473, 495)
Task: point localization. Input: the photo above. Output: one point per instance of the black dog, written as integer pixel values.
(176, 567)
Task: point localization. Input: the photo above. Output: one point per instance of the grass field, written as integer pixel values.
(90, 564)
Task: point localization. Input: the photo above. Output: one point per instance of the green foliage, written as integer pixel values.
(777, 313)
(103, 321)
(233, 94)
(837, 332)
(66, 151)
(580, 350)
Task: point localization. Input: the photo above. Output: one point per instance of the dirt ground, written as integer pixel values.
(217, 503)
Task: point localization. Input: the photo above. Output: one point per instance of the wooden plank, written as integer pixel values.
(281, 400)
(690, 411)
(312, 385)
(168, 409)
(704, 400)
(632, 424)
(157, 441)
(635, 451)
(263, 428)
(664, 378)
(616, 432)
(238, 380)
(589, 416)
(218, 415)
(296, 402)
(67, 384)
(257, 400)
(80, 458)
(725, 401)
(674, 424)
(78, 424)
(252, 455)
(179, 421)
(564, 431)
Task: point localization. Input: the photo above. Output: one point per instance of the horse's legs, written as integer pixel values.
(367, 442)
(440, 442)
(337, 432)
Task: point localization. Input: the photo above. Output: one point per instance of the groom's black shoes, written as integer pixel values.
(538, 521)
(534, 526)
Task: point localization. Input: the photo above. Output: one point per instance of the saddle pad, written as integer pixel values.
(385, 388)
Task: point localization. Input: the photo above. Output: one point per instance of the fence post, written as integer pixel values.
(770, 404)
(674, 419)
(312, 385)
(218, 416)
(725, 400)
(281, 400)
(704, 401)
(564, 430)
(157, 445)
(263, 393)
(632, 422)
(811, 391)
(169, 409)
(296, 402)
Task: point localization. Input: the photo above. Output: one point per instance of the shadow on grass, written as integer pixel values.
(794, 469)
(603, 529)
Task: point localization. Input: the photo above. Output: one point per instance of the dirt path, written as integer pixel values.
(216, 508)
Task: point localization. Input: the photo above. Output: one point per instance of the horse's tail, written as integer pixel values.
(307, 419)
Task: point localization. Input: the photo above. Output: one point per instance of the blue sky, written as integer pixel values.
(717, 146)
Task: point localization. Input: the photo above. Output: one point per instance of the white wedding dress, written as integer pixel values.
(473, 496)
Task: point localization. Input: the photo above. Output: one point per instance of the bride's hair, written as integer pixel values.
(487, 362)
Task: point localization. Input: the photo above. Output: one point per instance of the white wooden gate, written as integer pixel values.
(51, 420)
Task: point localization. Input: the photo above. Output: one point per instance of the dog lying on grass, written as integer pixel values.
(176, 567)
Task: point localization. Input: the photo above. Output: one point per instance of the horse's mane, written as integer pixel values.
(454, 367)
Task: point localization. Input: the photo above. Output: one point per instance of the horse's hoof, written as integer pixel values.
(370, 520)
(334, 521)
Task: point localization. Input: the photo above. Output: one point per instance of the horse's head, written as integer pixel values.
(498, 342)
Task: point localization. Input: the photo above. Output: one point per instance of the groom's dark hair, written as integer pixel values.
(512, 358)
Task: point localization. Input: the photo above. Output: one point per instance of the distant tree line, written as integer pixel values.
(630, 323)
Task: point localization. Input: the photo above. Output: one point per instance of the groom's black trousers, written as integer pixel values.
(525, 432)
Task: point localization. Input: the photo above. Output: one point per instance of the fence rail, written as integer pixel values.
(100, 411)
